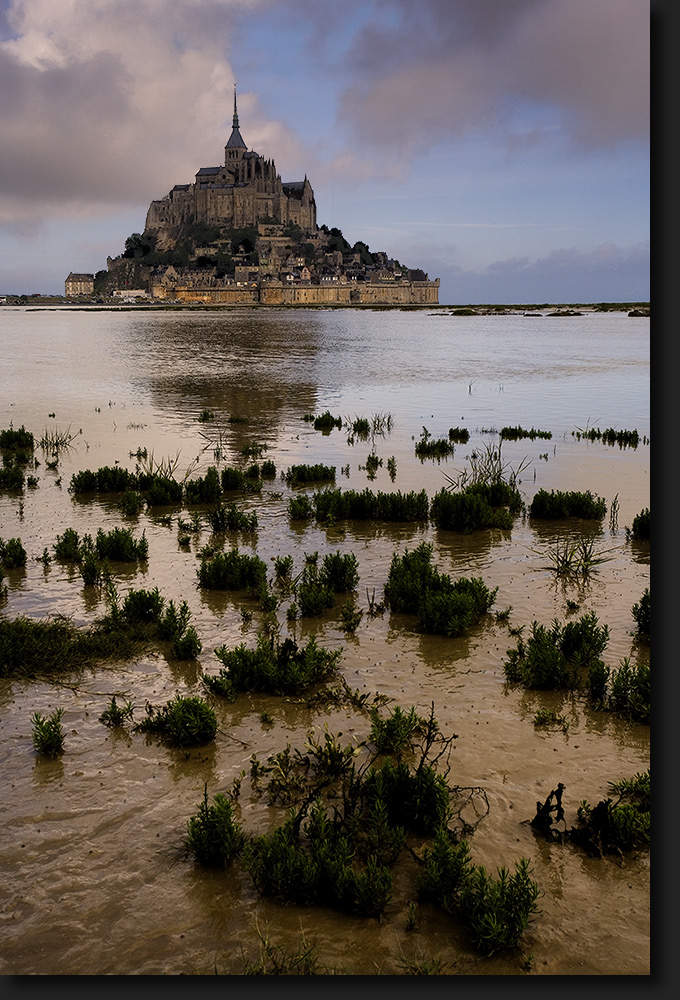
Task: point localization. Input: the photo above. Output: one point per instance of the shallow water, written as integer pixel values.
(93, 881)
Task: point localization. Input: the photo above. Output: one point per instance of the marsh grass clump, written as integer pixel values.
(642, 613)
(107, 479)
(119, 545)
(443, 607)
(640, 530)
(518, 433)
(559, 505)
(629, 691)
(312, 860)
(330, 506)
(475, 508)
(297, 474)
(557, 657)
(174, 627)
(435, 448)
(496, 911)
(393, 733)
(228, 517)
(116, 715)
(624, 438)
(214, 837)
(204, 489)
(233, 479)
(16, 440)
(12, 553)
(232, 570)
(141, 606)
(54, 646)
(350, 615)
(132, 503)
(326, 422)
(459, 435)
(184, 721)
(616, 827)
(273, 667)
(71, 548)
(278, 960)
(571, 558)
(48, 733)
(12, 477)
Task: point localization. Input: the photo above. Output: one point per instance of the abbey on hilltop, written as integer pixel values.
(239, 234)
(241, 192)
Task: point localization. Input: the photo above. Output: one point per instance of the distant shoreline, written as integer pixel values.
(45, 303)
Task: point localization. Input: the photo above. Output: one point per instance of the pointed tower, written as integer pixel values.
(235, 147)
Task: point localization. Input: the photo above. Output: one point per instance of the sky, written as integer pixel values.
(503, 146)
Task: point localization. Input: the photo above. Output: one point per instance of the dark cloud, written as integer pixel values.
(425, 70)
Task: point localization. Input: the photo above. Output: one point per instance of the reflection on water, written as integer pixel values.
(96, 882)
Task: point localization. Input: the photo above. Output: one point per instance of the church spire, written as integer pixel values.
(235, 139)
(235, 118)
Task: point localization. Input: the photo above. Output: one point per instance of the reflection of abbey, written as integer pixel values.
(239, 234)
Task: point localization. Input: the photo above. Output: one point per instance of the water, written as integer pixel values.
(94, 883)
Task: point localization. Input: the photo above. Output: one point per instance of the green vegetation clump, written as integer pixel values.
(331, 505)
(326, 422)
(297, 474)
(518, 433)
(115, 716)
(557, 657)
(394, 733)
(476, 507)
(317, 587)
(610, 827)
(436, 448)
(12, 553)
(624, 439)
(239, 479)
(443, 607)
(16, 440)
(48, 733)
(313, 861)
(642, 613)
(496, 911)
(641, 528)
(12, 477)
(232, 571)
(204, 489)
(183, 721)
(558, 505)
(280, 668)
(459, 435)
(119, 545)
(213, 835)
(54, 646)
(228, 517)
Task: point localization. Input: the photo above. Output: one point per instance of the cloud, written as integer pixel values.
(604, 273)
(422, 72)
(114, 102)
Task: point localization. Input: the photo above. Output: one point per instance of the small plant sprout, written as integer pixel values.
(48, 733)
(116, 715)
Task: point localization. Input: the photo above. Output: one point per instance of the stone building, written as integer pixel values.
(79, 284)
(240, 192)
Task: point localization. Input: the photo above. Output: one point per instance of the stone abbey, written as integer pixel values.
(241, 192)
(239, 234)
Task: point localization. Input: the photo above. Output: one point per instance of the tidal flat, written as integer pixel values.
(96, 877)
